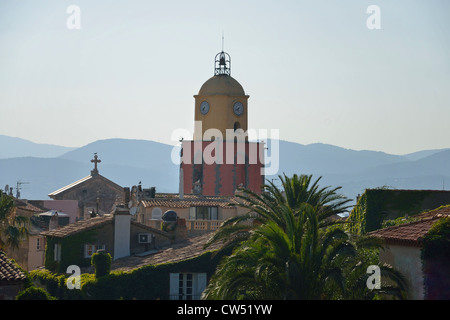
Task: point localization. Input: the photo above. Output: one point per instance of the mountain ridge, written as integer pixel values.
(128, 161)
(11, 147)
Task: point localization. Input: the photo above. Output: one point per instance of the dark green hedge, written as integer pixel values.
(102, 263)
(34, 293)
(55, 284)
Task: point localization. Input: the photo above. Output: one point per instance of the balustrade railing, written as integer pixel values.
(195, 225)
(204, 225)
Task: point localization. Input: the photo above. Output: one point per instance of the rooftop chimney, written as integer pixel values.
(127, 195)
(181, 188)
(122, 226)
(53, 223)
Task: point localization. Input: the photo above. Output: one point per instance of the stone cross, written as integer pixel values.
(95, 161)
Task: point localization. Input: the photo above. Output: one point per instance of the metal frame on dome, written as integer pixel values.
(222, 64)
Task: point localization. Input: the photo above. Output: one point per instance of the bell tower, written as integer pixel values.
(221, 103)
(220, 158)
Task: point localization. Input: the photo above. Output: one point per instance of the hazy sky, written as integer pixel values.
(313, 69)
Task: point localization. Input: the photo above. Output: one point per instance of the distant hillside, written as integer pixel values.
(133, 153)
(428, 173)
(42, 176)
(422, 154)
(324, 158)
(11, 147)
(355, 171)
(127, 162)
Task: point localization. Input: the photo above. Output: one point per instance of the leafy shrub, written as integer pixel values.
(102, 262)
(34, 293)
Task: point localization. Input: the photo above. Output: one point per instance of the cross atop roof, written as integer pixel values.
(95, 161)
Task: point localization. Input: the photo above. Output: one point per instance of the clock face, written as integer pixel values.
(238, 108)
(204, 107)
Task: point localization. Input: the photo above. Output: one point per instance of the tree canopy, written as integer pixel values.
(293, 249)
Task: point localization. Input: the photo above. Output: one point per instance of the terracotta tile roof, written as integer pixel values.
(79, 226)
(189, 248)
(412, 233)
(437, 213)
(187, 196)
(25, 205)
(9, 272)
(189, 200)
(89, 224)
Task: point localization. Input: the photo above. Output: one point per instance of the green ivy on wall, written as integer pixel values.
(72, 251)
(436, 243)
(435, 256)
(378, 205)
(150, 282)
(146, 283)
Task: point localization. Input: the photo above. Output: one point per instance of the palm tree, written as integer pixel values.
(301, 189)
(295, 192)
(292, 251)
(293, 260)
(393, 283)
(13, 228)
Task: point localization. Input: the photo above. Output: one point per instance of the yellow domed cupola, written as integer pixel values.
(221, 102)
(221, 85)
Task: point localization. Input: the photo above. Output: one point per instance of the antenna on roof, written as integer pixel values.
(222, 40)
(18, 187)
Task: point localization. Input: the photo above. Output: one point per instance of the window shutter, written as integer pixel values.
(201, 283)
(174, 285)
(57, 252)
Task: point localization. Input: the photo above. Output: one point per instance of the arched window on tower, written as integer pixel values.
(236, 127)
